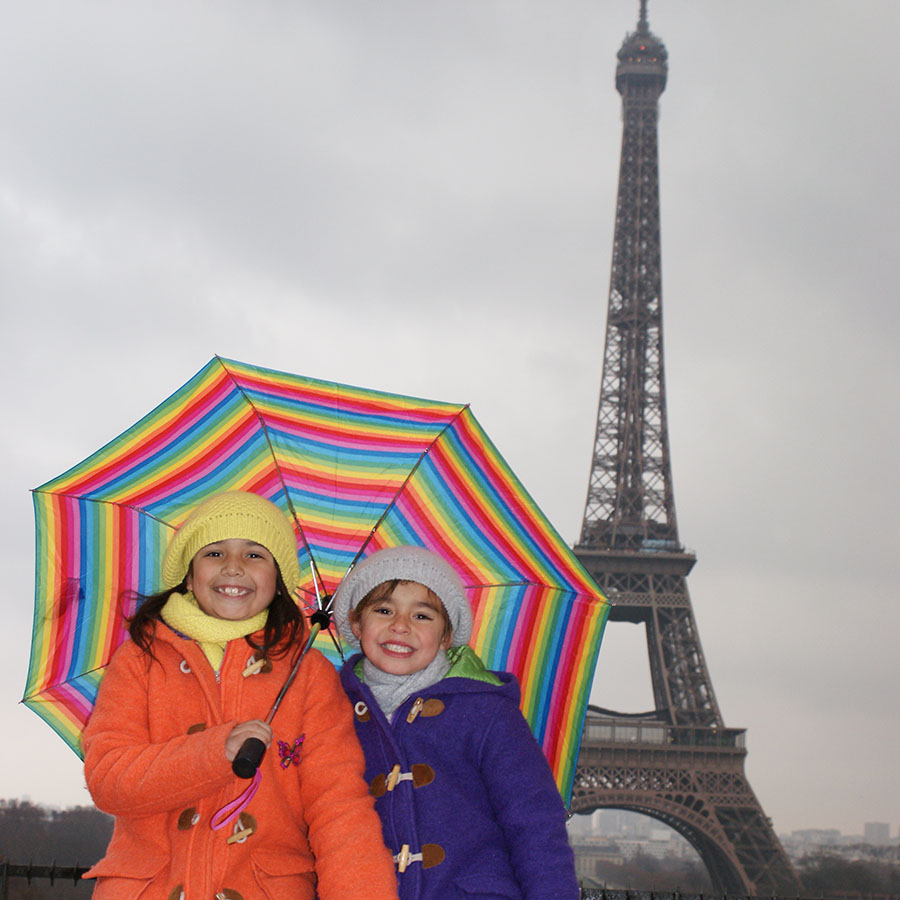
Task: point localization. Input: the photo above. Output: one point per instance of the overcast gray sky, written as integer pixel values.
(418, 197)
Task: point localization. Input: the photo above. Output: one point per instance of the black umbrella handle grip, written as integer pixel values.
(248, 758)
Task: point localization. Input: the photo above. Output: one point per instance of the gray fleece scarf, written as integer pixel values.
(391, 690)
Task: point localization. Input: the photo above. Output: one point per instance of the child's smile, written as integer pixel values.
(233, 579)
(403, 633)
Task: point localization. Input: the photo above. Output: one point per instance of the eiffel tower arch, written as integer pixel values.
(677, 763)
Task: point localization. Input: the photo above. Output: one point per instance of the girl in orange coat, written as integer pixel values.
(207, 658)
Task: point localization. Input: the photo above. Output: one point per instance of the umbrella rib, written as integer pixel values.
(69, 680)
(81, 498)
(539, 584)
(496, 584)
(317, 578)
(402, 487)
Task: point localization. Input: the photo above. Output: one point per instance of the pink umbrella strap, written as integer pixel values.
(230, 811)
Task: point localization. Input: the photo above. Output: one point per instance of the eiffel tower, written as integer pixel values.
(679, 763)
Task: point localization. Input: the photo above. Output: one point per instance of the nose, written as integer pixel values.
(400, 624)
(232, 564)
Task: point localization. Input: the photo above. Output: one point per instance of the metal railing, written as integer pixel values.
(623, 731)
(30, 872)
(626, 894)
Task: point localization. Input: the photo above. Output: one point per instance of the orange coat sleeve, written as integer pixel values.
(126, 774)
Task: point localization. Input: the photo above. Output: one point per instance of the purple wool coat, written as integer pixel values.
(473, 792)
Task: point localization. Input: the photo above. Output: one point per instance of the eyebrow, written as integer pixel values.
(418, 604)
(427, 605)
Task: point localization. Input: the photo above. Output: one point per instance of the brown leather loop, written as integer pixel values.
(378, 787)
(432, 855)
(432, 707)
(186, 819)
(422, 774)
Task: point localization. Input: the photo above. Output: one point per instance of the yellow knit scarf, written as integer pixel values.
(182, 613)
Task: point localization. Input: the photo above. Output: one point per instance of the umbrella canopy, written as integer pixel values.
(357, 471)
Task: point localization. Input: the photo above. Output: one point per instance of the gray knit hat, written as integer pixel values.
(404, 564)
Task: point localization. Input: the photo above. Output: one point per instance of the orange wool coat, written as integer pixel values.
(155, 759)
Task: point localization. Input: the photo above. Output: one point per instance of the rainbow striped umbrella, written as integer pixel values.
(357, 470)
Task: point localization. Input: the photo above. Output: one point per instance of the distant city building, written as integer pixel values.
(819, 837)
(877, 833)
(591, 857)
(612, 836)
(580, 826)
(875, 845)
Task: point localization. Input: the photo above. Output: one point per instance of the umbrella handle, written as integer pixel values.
(248, 758)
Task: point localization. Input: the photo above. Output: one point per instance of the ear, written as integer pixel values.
(447, 640)
(189, 582)
(353, 619)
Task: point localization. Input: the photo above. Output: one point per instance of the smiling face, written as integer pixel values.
(233, 579)
(402, 632)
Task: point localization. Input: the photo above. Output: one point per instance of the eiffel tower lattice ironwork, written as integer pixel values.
(679, 763)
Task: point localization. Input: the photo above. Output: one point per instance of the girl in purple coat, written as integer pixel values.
(468, 804)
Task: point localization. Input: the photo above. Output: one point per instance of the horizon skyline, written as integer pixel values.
(654, 824)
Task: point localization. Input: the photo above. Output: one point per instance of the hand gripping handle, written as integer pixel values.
(248, 758)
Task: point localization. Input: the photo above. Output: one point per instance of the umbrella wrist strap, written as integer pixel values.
(230, 811)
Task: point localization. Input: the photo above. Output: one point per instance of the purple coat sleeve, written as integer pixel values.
(528, 808)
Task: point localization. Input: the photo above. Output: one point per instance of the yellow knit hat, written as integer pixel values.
(233, 514)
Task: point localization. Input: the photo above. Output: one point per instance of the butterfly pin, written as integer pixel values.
(290, 754)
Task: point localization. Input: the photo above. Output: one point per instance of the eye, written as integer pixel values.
(212, 553)
(424, 616)
(381, 610)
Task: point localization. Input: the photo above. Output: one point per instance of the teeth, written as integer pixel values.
(232, 591)
(397, 648)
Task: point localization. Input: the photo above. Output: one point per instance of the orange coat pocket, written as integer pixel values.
(284, 876)
(118, 879)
